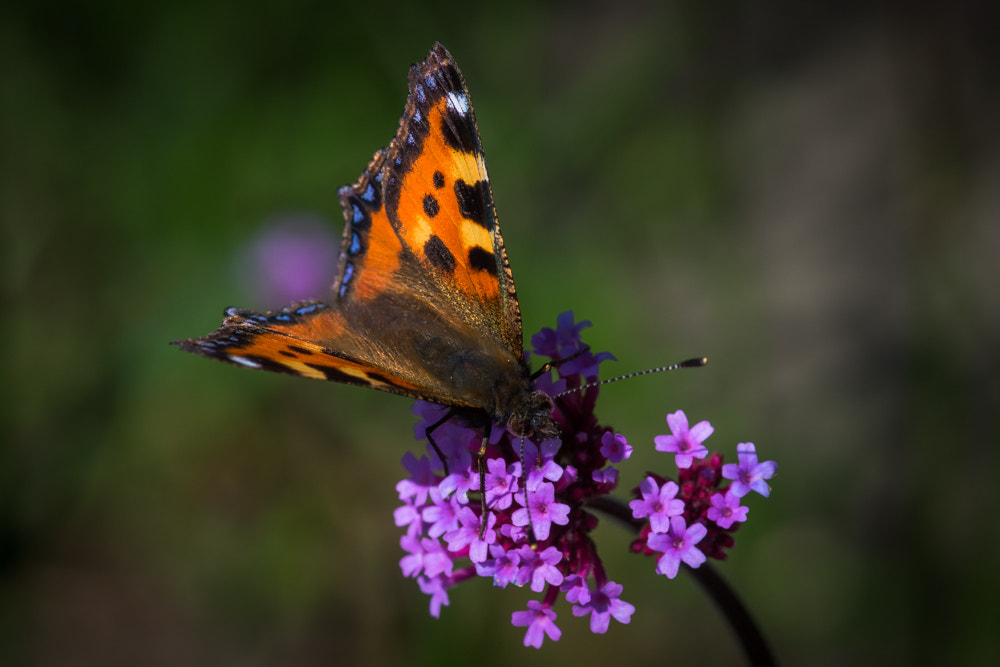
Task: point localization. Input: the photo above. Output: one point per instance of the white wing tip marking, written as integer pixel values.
(459, 103)
(244, 361)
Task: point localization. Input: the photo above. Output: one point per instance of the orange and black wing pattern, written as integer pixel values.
(424, 304)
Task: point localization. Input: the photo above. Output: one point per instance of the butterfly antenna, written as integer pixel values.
(555, 363)
(689, 363)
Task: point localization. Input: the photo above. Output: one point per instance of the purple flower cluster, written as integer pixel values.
(564, 481)
(703, 510)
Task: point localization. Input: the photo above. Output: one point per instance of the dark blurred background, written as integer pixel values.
(807, 193)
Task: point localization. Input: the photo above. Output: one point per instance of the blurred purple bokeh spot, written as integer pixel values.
(292, 258)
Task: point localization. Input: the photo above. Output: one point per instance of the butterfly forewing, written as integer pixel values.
(438, 197)
(424, 304)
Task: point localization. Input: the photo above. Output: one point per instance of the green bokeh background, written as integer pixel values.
(807, 193)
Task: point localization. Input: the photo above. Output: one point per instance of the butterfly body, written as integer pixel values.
(424, 303)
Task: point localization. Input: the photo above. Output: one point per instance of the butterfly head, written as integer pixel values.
(532, 417)
(531, 410)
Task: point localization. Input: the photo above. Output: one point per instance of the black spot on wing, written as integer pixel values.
(459, 130)
(262, 363)
(482, 260)
(368, 379)
(431, 207)
(471, 202)
(437, 253)
(335, 375)
(378, 377)
(438, 180)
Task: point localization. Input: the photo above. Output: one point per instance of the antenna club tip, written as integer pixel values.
(694, 363)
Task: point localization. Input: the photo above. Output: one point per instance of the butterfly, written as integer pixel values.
(424, 303)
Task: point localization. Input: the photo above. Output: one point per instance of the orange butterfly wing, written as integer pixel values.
(424, 303)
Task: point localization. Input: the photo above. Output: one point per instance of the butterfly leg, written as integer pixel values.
(433, 427)
(481, 463)
(480, 460)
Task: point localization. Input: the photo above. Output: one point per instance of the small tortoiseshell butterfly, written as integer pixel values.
(424, 302)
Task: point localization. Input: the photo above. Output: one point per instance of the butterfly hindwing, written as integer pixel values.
(286, 341)
(424, 304)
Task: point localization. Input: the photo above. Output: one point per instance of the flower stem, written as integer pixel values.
(748, 634)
